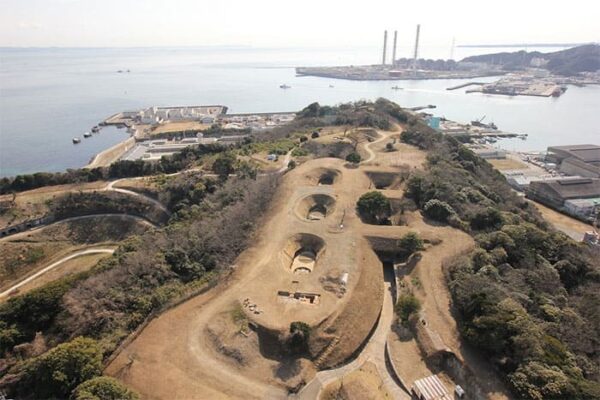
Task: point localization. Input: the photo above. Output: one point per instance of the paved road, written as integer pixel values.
(54, 265)
(374, 352)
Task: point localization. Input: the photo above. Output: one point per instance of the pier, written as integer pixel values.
(463, 85)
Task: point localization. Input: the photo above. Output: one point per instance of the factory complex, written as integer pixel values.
(162, 131)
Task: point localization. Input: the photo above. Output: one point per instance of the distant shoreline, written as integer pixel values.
(523, 45)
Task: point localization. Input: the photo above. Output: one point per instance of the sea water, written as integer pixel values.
(50, 95)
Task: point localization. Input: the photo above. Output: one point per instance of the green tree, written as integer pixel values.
(410, 243)
(103, 388)
(438, 210)
(292, 164)
(299, 336)
(389, 146)
(224, 166)
(57, 372)
(490, 218)
(353, 158)
(407, 305)
(373, 206)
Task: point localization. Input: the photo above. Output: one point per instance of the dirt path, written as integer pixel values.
(374, 352)
(106, 250)
(158, 204)
(367, 147)
(62, 221)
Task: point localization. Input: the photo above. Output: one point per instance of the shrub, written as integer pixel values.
(389, 147)
(373, 206)
(292, 164)
(353, 158)
(490, 218)
(299, 336)
(406, 306)
(438, 210)
(57, 372)
(103, 388)
(224, 166)
(314, 135)
(299, 152)
(410, 243)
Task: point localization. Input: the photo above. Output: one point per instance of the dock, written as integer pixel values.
(463, 85)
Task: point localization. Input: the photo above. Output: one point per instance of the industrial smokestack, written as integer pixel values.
(394, 49)
(384, 46)
(416, 49)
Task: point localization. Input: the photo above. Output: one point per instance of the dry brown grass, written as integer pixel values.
(179, 127)
(362, 384)
(508, 164)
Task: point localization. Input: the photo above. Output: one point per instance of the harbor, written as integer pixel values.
(162, 131)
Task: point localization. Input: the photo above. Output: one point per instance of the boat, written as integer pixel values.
(396, 87)
(330, 86)
(76, 140)
(96, 129)
(284, 86)
(87, 135)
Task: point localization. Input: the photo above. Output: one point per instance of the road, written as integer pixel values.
(54, 265)
(374, 352)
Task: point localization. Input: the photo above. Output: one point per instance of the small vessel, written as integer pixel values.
(76, 140)
(396, 87)
(330, 86)
(87, 134)
(96, 129)
(284, 86)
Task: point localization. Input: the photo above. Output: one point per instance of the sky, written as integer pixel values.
(285, 23)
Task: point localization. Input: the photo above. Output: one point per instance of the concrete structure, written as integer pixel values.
(592, 237)
(554, 193)
(574, 166)
(156, 115)
(520, 181)
(581, 160)
(416, 55)
(583, 152)
(490, 154)
(384, 47)
(394, 48)
(583, 208)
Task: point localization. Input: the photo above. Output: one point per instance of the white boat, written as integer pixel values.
(396, 87)
(284, 86)
(87, 135)
(76, 140)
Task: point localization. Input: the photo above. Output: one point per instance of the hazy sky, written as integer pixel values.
(113, 23)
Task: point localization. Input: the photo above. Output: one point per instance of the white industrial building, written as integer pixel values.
(204, 114)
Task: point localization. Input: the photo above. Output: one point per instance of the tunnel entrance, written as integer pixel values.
(304, 262)
(302, 252)
(315, 207)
